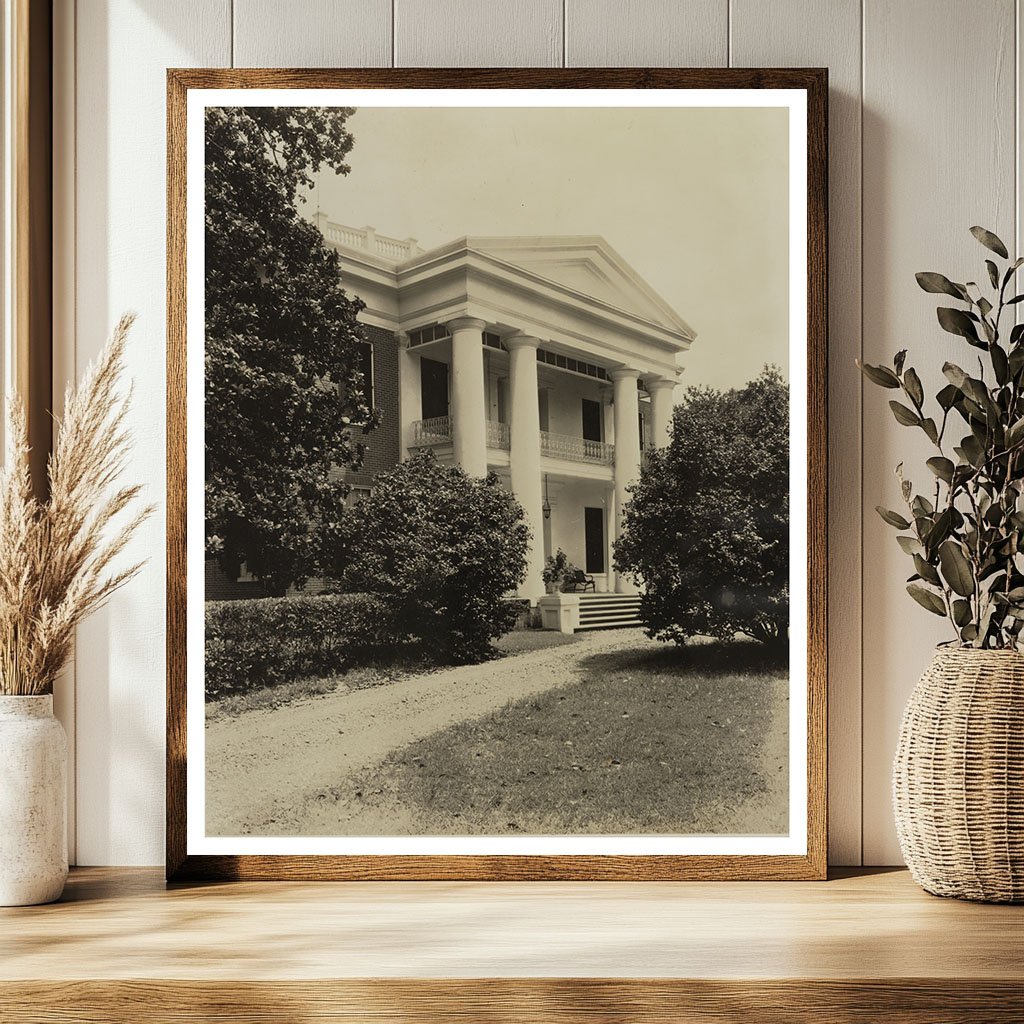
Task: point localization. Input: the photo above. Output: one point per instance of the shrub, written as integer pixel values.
(707, 527)
(253, 644)
(444, 548)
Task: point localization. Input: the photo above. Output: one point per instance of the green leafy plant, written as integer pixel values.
(286, 402)
(556, 568)
(706, 529)
(444, 549)
(965, 532)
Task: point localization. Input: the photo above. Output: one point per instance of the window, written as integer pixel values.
(593, 542)
(433, 388)
(502, 392)
(364, 361)
(572, 365)
(435, 332)
(592, 420)
(356, 494)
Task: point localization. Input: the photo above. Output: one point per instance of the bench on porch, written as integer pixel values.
(578, 582)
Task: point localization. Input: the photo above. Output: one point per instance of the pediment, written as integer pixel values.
(588, 266)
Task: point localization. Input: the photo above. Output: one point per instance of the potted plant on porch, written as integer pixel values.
(958, 782)
(555, 568)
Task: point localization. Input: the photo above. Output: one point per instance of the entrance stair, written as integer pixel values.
(609, 611)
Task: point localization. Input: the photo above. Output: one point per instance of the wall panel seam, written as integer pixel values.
(728, 33)
(565, 33)
(860, 386)
(74, 337)
(64, 44)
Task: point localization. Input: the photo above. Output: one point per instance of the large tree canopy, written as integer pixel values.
(707, 528)
(283, 384)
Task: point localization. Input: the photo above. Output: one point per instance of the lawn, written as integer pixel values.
(389, 670)
(520, 641)
(688, 740)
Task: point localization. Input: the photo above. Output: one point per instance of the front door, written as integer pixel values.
(433, 388)
(593, 541)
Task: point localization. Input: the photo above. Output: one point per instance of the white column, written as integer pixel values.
(409, 392)
(609, 540)
(627, 451)
(661, 390)
(469, 416)
(524, 453)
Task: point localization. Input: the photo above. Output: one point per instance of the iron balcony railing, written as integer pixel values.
(438, 431)
(576, 449)
(498, 435)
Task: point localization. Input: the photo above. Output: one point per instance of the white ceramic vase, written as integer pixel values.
(33, 786)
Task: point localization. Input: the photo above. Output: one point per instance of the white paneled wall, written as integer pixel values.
(122, 49)
(612, 34)
(924, 143)
(939, 155)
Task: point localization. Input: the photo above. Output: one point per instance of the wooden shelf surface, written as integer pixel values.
(121, 946)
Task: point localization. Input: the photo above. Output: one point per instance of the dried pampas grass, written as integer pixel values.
(56, 556)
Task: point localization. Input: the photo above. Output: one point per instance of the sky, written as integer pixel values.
(694, 199)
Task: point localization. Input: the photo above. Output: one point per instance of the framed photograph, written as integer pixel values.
(496, 474)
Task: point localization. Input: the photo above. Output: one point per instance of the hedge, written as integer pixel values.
(257, 643)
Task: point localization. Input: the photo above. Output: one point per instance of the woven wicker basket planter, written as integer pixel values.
(958, 777)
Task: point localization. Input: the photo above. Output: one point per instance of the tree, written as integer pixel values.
(283, 383)
(445, 549)
(707, 527)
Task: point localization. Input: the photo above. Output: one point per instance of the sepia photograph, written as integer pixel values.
(497, 476)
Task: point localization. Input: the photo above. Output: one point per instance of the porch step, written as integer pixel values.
(632, 623)
(609, 611)
(613, 610)
(622, 613)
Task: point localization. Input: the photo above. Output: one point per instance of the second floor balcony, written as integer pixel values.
(437, 432)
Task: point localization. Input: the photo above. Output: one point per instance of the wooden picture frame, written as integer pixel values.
(184, 864)
(29, 254)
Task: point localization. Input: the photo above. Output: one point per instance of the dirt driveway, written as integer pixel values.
(262, 766)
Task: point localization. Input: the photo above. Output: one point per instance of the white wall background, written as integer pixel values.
(925, 142)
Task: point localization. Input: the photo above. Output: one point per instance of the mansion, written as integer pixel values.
(547, 360)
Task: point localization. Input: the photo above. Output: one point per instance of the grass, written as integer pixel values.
(521, 641)
(667, 740)
(387, 671)
(270, 697)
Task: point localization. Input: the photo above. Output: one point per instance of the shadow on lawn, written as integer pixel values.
(640, 739)
(707, 657)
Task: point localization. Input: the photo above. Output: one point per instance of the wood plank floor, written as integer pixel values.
(122, 947)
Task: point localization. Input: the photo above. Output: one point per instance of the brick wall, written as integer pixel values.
(382, 444)
(220, 586)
